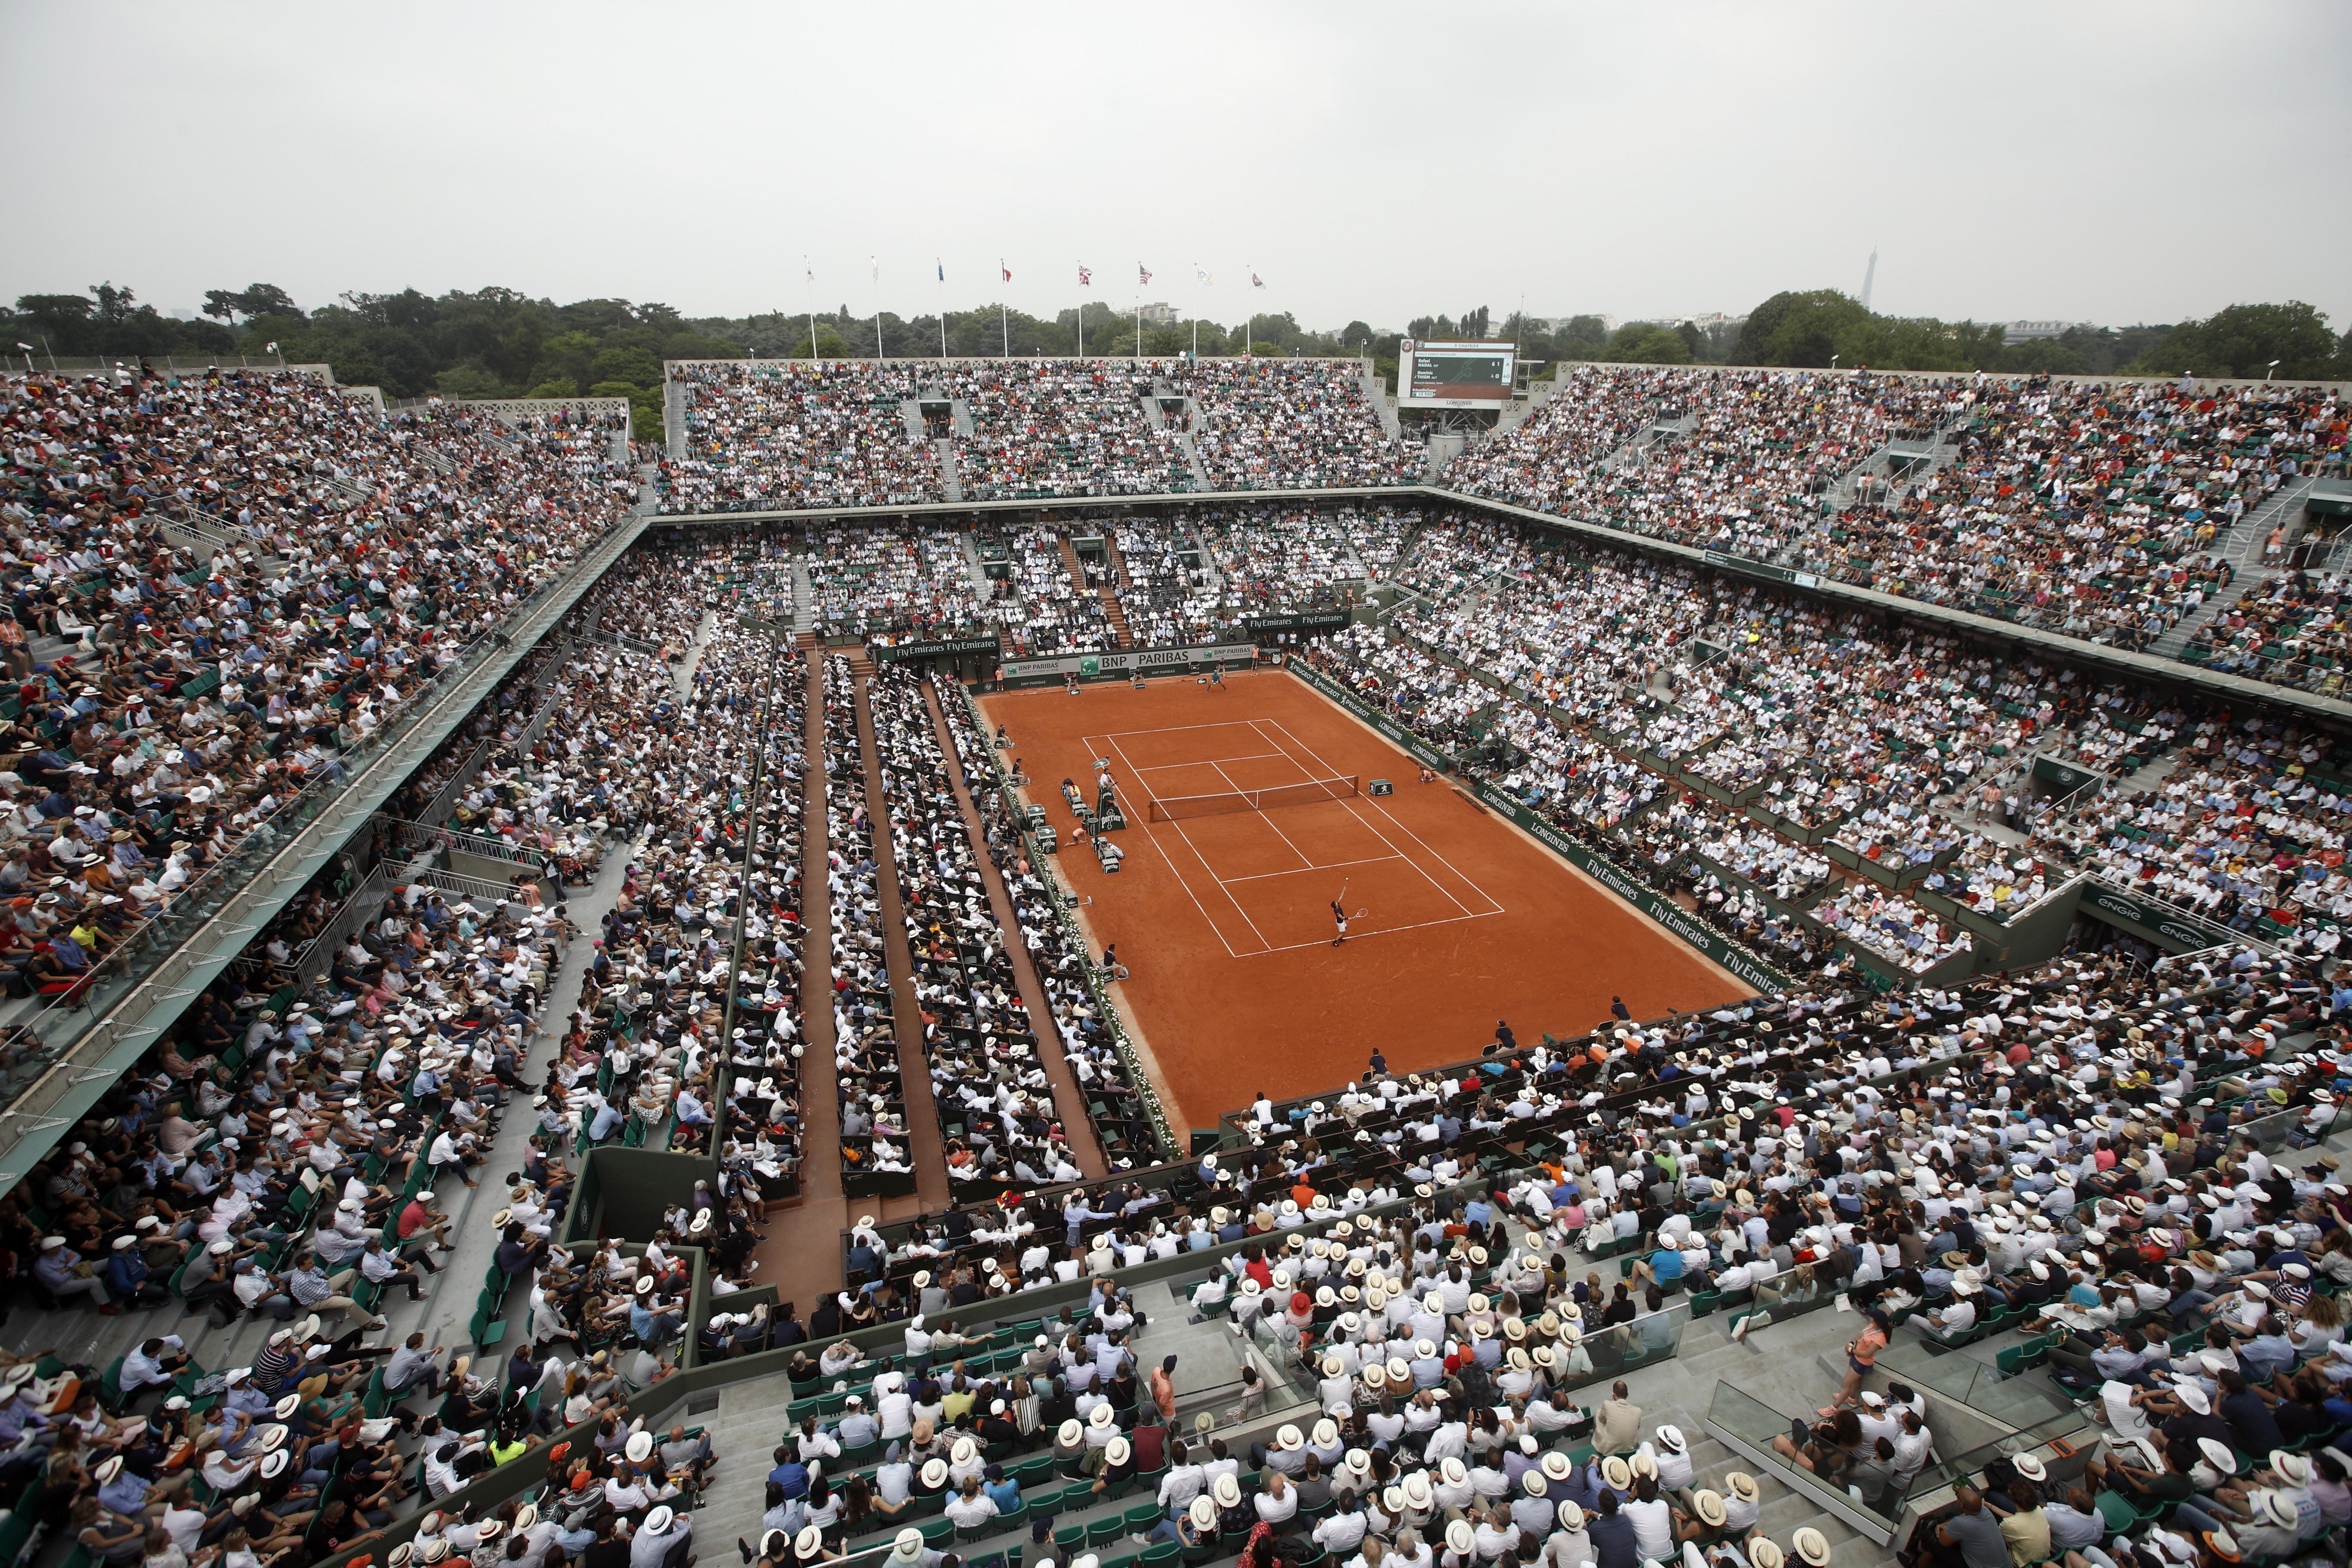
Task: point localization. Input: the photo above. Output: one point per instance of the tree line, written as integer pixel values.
(501, 343)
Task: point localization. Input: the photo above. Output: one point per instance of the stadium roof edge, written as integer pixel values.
(2076, 650)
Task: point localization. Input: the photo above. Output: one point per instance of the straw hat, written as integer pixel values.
(1763, 1552)
(1571, 1517)
(1814, 1547)
(1709, 1506)
(1228, 1490)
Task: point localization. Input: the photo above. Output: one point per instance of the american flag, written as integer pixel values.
(1086, 275)
(1145, 271)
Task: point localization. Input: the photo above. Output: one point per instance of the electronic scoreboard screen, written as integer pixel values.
(1455, 375)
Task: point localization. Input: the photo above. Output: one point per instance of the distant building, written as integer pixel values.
(1160, 314)
(2026, 331)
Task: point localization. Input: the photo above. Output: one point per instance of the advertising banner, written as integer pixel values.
(1305, 621)
(1420, 751)
(1120, 666)
(913, 650)
(1635, 891)
(2158, 921)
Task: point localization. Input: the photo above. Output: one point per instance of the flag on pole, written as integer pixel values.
(942, 267)
(1201, 272)
(1145, 271)
(877, 267)
(1086, 275)
(1256, 281)
(1006, 270)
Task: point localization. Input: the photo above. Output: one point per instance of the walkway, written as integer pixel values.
(1069, 1101)
(802, 1255)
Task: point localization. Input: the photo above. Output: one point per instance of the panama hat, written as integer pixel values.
(1461, 1538)
(1554, 1466)
(907, 1547)
(1617, 1473)
(1812, 1546)
(639, 1447)
(1763, 1552)
(1571, 1517)
(934, 1472)
(1101, 1415)
(1071, 1433)
(1743, 1485)
(1228, 1491)
(1533, 1480)
(1203, 1512)
(659, 1522)
(1117, 1451)
(1288, 1439)
(1708, 1504)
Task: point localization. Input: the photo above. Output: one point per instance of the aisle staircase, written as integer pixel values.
(2241, 547)
(951, 482)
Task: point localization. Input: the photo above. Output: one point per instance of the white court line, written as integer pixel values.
(1444, 891)
(1355, 936)
(1305, 861)
(1336, 865)
(1213, 762)
(1177, 730)
(1170, 861)
(1401, 827)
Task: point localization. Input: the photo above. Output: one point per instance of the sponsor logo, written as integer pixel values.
(1090, 664)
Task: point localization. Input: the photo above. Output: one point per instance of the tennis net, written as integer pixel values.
(1179, 808)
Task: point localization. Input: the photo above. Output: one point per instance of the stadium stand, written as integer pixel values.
(1274, 424)
(782, 434)
(1060, 428)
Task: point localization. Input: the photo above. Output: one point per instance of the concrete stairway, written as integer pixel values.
(1382, 404)
(1192, 461)
(950, 482)
(2241, 546)
(803, 603)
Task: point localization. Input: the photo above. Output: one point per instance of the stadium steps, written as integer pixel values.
(1150, 403)
(803, 603)
(1192, 459)
(2241, 547)
(1382, 404)
(950, 482)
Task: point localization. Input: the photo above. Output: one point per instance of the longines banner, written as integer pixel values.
(1662, 910)
(1134, 661)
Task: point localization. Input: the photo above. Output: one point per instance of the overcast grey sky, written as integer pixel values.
(2112, 162)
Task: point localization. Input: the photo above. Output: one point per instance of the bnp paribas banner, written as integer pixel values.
(1134, 661)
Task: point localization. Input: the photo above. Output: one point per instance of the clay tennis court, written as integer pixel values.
(1222, 911)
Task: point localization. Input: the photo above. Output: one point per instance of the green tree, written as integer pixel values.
(633, 364)
(467, 381)
(1646, 342)
(2242, 340)
(253, 299)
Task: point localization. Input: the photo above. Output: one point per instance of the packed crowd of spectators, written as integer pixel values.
(2290, 629)
(874, 1153)
(1041, 608)
(782, 434)
(1292, 424)
(892, 581)
(1061, 428)
(1170, 601)
(997, 1119)
(178, 704)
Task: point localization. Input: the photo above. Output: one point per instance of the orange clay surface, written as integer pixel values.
(1455, 918)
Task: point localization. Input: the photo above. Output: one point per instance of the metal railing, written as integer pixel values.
(84, 1037)
(358, 910)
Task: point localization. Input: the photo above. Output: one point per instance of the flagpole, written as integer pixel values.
(810, 273)
(941, 268)
(878, 309)
(1006, 327)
